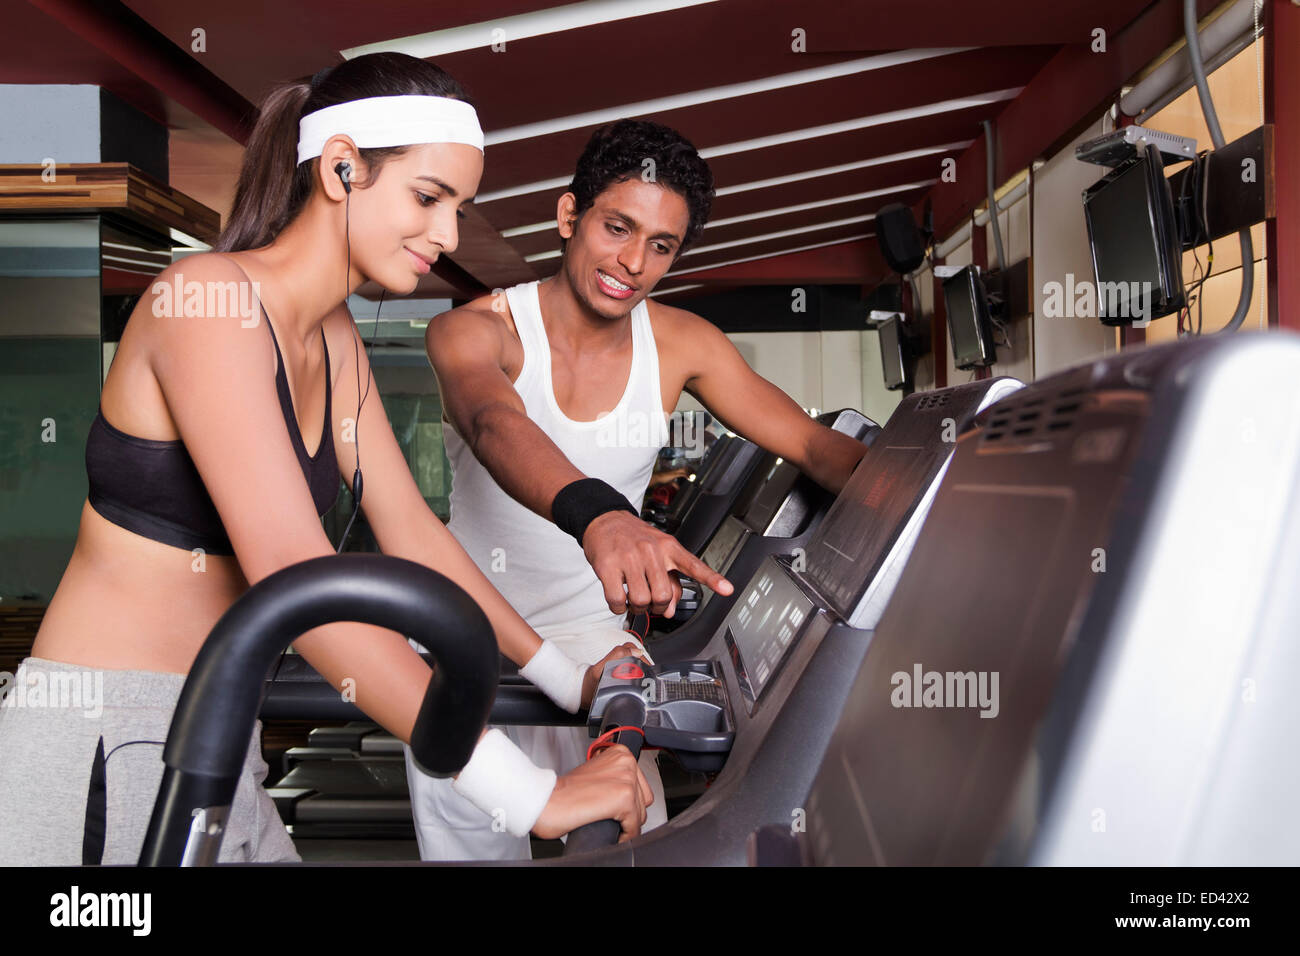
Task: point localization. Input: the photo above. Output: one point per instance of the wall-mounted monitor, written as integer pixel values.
(970, 325)
(1133, 233)
(893, 358)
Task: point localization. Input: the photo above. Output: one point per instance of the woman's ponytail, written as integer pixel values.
(273, 187)
(266, 199)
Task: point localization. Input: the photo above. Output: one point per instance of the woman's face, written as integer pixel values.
(402, 222)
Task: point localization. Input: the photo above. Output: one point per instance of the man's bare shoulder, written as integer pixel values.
(486, 314)
(480, 330)
(680, 331)
(675, 325)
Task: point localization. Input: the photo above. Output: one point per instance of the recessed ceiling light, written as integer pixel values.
(820, 203)
(780, 180)
(748, 240)
(769, 255)
(792, 136)
(472, 36)
(781, 234)
(712, 94)
(680, 288)
(842, 168)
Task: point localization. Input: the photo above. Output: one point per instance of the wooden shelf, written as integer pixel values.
(103, 187)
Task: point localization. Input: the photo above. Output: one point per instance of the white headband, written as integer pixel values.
(391, 121)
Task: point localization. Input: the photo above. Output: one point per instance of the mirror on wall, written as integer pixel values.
(50, 377)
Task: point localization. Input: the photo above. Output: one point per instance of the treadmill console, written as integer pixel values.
(720, 550)
(762, 627)
(686, 708)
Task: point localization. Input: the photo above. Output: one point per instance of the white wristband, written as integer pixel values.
(502, 782)
(557, 676)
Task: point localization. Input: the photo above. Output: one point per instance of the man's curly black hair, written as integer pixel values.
(618, 151)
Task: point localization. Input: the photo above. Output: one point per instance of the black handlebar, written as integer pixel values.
(625, 710)
(218, 706)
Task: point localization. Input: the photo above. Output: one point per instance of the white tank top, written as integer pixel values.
(539, 569)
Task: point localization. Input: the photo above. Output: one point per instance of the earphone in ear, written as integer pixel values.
(344, 171)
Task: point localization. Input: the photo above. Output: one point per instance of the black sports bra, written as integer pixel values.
(151, 487)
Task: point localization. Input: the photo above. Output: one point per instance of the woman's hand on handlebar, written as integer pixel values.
(609, 786)
(591, 680)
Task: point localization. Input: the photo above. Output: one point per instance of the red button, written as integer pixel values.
(627, 671)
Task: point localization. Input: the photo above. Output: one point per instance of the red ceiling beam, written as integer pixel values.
(842, 263)
(133, 42)
(1282, 109)
(1057, 104)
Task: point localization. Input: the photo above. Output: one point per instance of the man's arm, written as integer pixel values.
(466, 348)
(754, 408)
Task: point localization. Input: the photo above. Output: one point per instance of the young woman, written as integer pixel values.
(219, 444)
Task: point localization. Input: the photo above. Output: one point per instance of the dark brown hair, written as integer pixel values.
(618, 152)
(273, 186)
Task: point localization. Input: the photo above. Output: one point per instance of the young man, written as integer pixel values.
(558, 394)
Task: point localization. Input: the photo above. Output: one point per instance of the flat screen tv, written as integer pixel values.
(892, 358)
(1136, 252)
(970, 325)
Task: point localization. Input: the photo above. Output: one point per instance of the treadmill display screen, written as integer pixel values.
(852, 542)
(762, 627)
(718, 554)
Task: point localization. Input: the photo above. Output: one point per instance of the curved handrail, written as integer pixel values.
(214, 718)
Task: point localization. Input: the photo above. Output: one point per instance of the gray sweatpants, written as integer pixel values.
(55, 810)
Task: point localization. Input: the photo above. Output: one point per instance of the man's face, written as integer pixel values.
(623, 245)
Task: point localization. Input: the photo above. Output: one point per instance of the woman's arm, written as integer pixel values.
(400, 518)
(218, 379)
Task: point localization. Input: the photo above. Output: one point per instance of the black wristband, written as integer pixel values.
(581, 502)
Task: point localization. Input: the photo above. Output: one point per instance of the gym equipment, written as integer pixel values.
(624, 715)
(1120, 543)
(700, 507)
(778, 503)
(785, 685)
(351, 782)
(779, 508)
(214, 717)
(786, 652)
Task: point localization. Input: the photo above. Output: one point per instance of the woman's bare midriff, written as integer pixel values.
(126, 602)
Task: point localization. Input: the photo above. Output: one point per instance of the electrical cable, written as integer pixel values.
(344, 171)
(607, 739)
(358, 485)
(1216, 137)
(993, 206)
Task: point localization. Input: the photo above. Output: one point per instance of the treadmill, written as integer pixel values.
(350, 781)
(1121, 544)
(758, 701)
(702, 505)
(761, 699)
(778, 503)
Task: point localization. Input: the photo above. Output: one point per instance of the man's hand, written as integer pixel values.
(592, 679)
(624, 550)
(609, 786)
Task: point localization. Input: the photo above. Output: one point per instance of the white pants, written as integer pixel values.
(449, 827)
